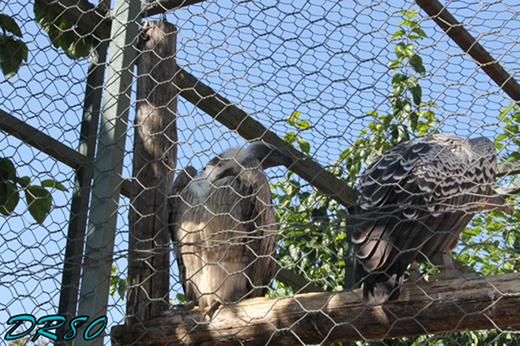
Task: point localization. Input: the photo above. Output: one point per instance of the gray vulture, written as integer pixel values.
(414, 201)
(223, 226)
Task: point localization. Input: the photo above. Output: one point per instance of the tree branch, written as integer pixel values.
(237, 120)
(46, 144)
(456, 31)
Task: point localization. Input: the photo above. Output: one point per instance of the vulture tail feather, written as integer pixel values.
(381, 287)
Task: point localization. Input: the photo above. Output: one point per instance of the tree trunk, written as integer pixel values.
(154, 161)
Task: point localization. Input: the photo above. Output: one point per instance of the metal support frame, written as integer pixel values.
(82, 184)
(95, 280)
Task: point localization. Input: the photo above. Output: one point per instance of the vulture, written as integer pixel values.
(223, 226)
(414, 201)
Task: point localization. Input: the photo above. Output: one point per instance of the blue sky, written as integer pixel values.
(272, 58)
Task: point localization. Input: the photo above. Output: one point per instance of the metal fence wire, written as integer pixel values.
(259, 172)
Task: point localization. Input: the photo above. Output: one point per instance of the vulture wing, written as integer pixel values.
(241, 235)
(414, 202)
(226, 236)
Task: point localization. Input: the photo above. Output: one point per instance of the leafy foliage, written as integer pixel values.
(409, 114)
(74, 41)
(117, 285)
(13, 51)
(39, 199)
(313, 244)
(300, 125)
(492, 243)
(26, 340)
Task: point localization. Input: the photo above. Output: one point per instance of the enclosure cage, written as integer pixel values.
(105, 105)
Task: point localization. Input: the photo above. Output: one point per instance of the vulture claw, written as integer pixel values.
(210, 313)
(182, 308)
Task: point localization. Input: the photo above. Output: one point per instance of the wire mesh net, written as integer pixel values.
(227, 166)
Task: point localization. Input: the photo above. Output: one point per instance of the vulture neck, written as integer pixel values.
(230, 163)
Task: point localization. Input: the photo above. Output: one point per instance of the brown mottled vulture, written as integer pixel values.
(223, 226)
(414, 202)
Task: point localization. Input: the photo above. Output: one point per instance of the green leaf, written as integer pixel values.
(302, 124)
(8, 24)
(121, 287)
(293, 117)
(516, 117)
(53, 184)
(399, 33)
(12, 53)
(386, 119)
(399, 79)
(408, 50)
(409, 23)
(398, 83)
(80, 48)
(394, 63)
(23, 181)
(510, 239)
(419, 31)
(416, 94)
(501, 137)
(399, 48)
(39, 202)
(422, 128)
(304, 145)
(413, 121)
(345, 154)
(289, 137)
(417, 64)
(408, 13)
(7, 170)
(181, 298)
(9, 198)
(74, 42)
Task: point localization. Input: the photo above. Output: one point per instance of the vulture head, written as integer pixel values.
(231, 161)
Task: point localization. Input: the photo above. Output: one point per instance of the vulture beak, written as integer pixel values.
(269, 155)
(276, 158)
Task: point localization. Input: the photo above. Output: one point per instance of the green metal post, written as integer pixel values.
(82, 184)
(106, 186)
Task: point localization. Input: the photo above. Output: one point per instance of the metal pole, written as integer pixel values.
(106, 186)
(82, 183)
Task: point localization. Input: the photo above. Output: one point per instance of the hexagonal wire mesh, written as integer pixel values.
(342, 82)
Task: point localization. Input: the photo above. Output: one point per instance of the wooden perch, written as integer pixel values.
(313, 318)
